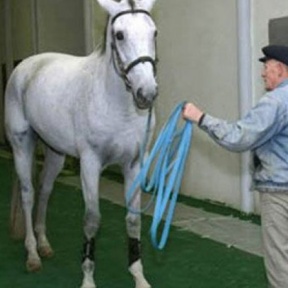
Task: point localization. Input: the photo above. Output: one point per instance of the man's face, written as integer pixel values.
(271, 74)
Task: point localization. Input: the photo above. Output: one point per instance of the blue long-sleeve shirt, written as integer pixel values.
(264, 131)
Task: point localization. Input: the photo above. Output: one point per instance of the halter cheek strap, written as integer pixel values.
(121, 70)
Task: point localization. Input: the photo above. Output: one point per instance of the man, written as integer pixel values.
(264, 131)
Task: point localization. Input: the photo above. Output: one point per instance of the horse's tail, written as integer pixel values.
(17, 224)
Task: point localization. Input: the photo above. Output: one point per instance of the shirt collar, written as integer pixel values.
(283, 83)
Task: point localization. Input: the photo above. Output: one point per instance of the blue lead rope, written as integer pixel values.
(167, 157)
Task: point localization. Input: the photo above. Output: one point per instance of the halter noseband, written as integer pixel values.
(123, 71)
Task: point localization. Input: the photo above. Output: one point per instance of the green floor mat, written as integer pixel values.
(188, 261)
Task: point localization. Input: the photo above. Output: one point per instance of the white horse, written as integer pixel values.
(94, 108)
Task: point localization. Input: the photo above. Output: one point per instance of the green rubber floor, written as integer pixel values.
(188, 261)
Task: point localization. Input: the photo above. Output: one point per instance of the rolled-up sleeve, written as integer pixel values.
(248, 133)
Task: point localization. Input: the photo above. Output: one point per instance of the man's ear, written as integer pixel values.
(281, 67)
(284, 69)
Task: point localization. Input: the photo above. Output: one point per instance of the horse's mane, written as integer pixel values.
(103, 44)
(132, 4)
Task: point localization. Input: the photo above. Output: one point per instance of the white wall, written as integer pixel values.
(2, 56)
(95, 25)
(201, 65)
(198, 62)
(21, 29)
(61, 26)
(2, 31)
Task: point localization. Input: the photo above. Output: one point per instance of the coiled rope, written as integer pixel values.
(162, 172)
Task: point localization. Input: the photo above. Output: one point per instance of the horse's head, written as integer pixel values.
(132, 36)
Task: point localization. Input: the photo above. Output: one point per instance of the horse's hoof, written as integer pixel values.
(46, 251)
(33, 265)
(88, 284)
(143, 285)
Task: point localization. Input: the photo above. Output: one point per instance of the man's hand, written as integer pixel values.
(191, 112)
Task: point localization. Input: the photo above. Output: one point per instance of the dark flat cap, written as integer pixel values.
(276, 52)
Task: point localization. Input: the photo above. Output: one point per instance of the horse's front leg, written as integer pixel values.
(133, 226)
(90, 171)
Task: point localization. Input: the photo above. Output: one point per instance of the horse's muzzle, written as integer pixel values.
(144, 99)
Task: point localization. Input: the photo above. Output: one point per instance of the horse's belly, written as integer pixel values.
(55, 129)
(60, 142)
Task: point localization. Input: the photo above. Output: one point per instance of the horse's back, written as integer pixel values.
(39, 70)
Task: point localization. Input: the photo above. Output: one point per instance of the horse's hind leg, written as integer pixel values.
(23, 144)
(133, 225)
(52, 166)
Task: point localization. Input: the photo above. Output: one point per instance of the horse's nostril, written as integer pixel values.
(140, 93)
(144, 97)
(148, 95)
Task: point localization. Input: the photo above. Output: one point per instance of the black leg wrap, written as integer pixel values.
(88, 249)
(134, 247)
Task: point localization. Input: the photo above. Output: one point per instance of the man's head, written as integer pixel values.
(275, 65)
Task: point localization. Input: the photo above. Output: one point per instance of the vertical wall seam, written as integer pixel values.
(245, 93)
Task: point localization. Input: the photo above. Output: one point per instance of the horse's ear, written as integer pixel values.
(145, 4)
(111, 6)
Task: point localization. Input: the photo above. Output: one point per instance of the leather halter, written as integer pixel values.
(121, 70)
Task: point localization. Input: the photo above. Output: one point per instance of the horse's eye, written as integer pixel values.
(155, 33)
(120, 35)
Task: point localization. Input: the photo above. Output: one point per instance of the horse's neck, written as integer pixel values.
(108, 84)
(110, 98)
